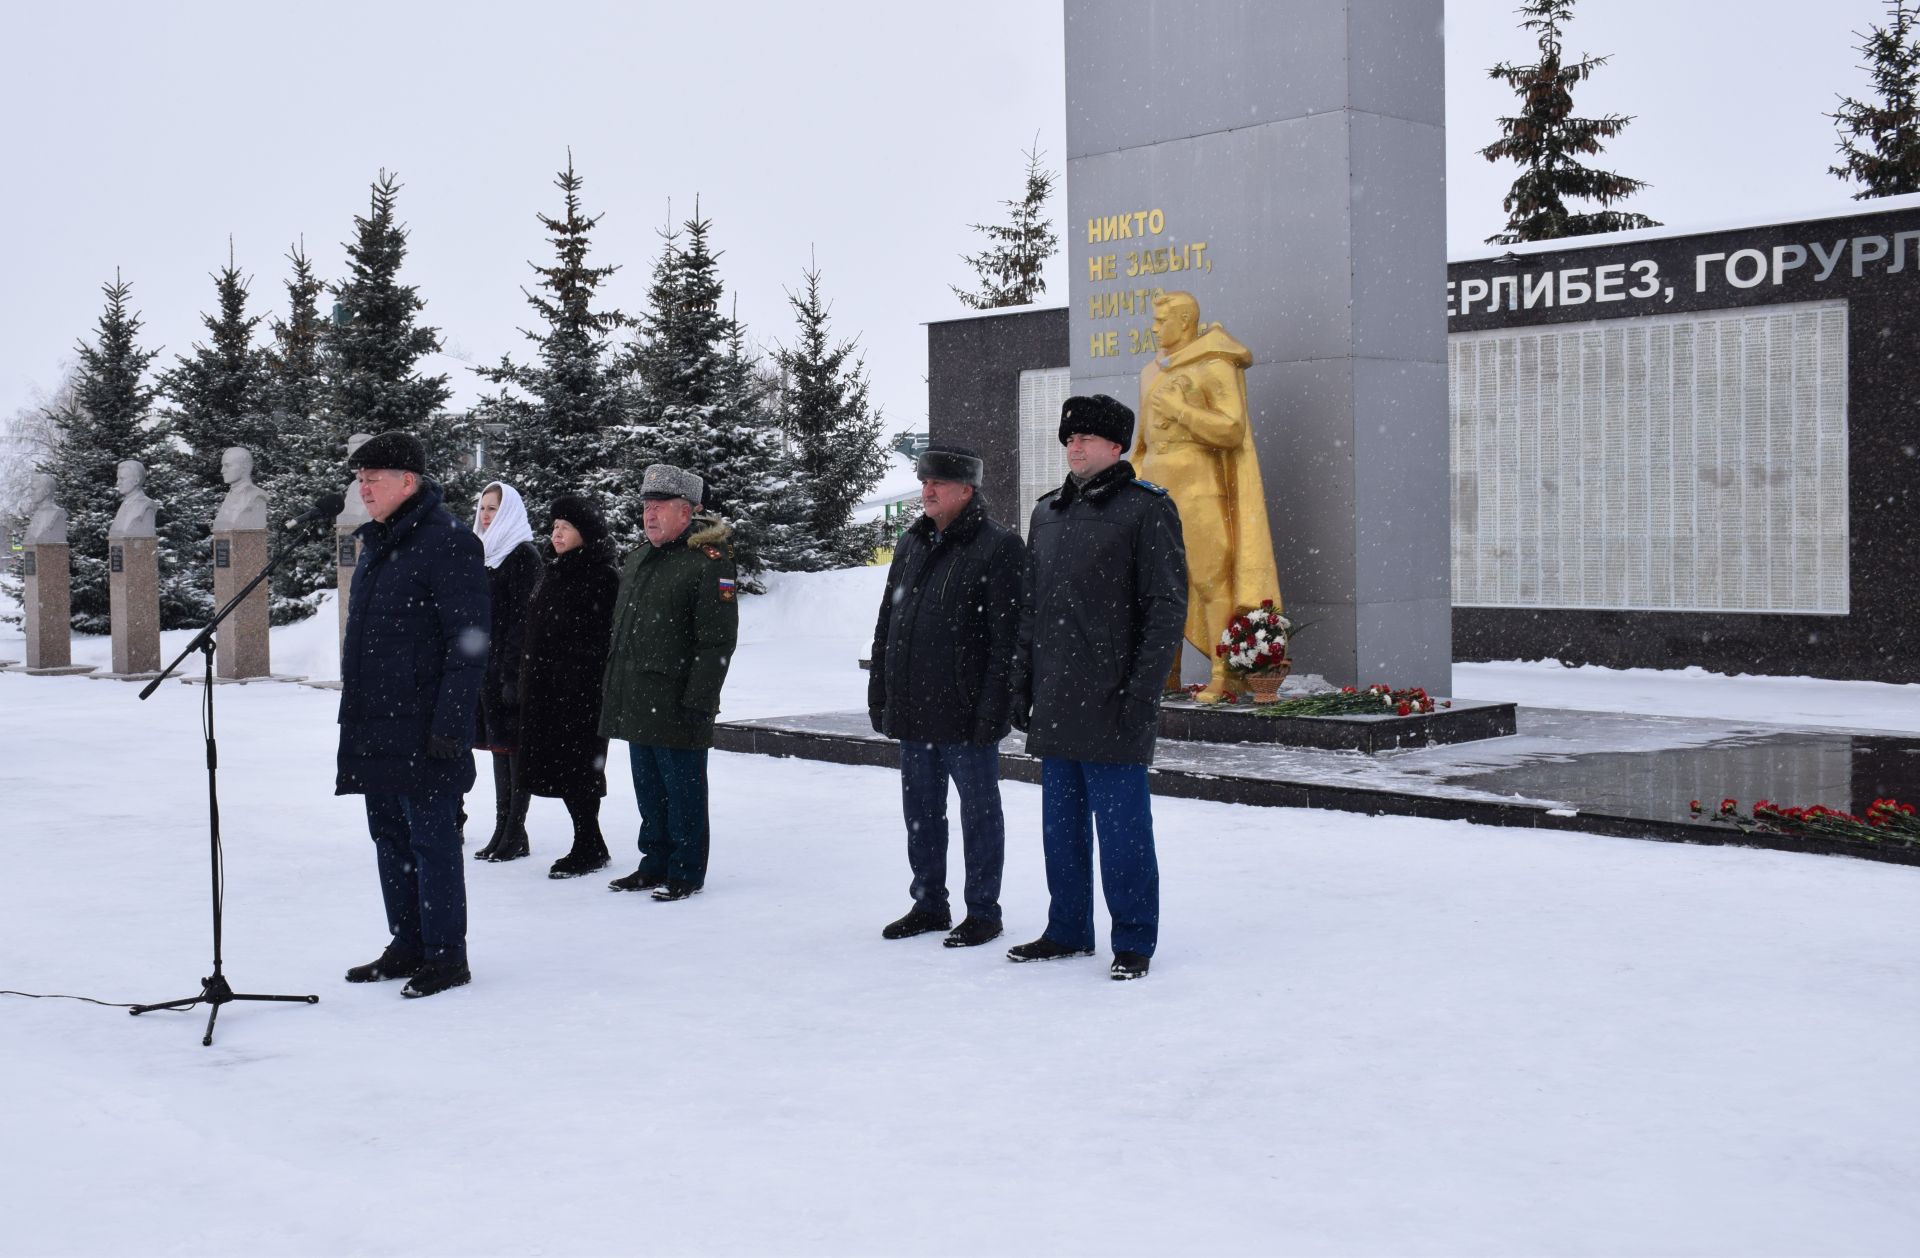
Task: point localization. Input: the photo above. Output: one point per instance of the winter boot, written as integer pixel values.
(1128, 965)
(436, 976)
(918, 921)
(973, 932)
(675, 891)
(515, 844)
(502, 807)
(636, 881)
(1044, 949)
(391, 964)
(589, 853)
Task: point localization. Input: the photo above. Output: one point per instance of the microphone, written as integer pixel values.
(324, 508)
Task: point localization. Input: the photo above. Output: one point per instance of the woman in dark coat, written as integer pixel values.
(513, 569)
(569, 628)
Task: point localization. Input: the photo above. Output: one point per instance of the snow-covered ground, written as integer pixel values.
(1366, 1036)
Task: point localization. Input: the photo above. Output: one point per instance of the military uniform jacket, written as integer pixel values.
(674, 630)
(1106, 601)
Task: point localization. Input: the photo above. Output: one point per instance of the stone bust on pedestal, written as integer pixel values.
(47, 523)
(245, 506)
(137, 511)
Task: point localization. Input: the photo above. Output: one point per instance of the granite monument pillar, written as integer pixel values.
(1284, 162)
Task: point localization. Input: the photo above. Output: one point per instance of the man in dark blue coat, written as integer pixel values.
(410, 672)
(940, 683)
(1101, 629)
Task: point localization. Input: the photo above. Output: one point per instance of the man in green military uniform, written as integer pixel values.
(674, 630)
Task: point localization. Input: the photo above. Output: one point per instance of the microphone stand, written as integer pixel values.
(214, 989)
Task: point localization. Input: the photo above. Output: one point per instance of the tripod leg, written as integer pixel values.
(298, 1000)
(185, 1002)
(213, 1012)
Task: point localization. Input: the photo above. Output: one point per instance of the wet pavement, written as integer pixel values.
(1600, 771)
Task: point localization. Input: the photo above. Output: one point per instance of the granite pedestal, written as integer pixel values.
(242, 647)
(133, 592)
(46, 578)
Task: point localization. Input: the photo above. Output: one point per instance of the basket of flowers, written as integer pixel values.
(1254, 649)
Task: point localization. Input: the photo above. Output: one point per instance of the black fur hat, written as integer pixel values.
(397, 451)
(580, 512)
(1097, 416)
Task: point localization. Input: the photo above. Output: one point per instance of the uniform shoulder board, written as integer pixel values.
(1050, 493)
(712, 552)
(1150, 487)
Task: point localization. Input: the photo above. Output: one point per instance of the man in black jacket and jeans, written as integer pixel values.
(1106, 605)
(942, 654)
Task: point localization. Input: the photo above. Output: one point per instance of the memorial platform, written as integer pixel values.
(1624, 775)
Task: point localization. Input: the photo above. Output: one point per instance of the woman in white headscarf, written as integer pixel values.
(513, 569)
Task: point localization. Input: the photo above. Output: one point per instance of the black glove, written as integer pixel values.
(441, 747)
(876, 715)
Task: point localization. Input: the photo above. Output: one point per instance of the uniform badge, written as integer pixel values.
(726, 590)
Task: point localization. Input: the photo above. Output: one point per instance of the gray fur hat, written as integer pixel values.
(952, 463)
(664, 480)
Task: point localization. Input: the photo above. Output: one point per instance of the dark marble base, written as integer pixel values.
(1465, 721)
(1589, 773)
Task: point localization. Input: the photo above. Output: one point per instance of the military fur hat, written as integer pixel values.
(664, 480)
(396, 451)
(951, 463)
(1097, 416)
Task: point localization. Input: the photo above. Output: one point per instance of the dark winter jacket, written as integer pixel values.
(1106, 604)
(509, 590)
(943, 645)
(414, 654)
(674, 631)
(569, 626)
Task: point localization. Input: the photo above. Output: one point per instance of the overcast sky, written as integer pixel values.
(139, 136)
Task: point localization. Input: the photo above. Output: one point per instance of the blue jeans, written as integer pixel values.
(416, 841)
(925, 769)
(670, 785)
(1073, 795)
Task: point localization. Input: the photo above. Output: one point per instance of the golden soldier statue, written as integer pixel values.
(1194, 440)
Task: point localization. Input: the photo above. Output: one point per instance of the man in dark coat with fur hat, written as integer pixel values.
(410, 670)
(1106, 605)
(940, 683)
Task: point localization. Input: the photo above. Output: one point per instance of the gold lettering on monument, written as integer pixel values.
(1147, 259)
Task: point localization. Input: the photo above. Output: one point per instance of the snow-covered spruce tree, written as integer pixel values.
(831, 429)
(1546, 141)
(555, 411)
(312, 459)
(700, 404)
(1880, 137)
(213, 398)
(109, 418)
(1010, 268)
(373, 346)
